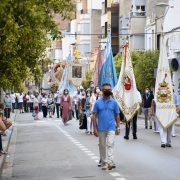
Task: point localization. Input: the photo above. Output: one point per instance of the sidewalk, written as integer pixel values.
(5, 142)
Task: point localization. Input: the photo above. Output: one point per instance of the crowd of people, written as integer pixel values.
(96, 111)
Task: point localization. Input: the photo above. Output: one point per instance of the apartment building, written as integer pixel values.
(109, 23)
(156, 10)
(132, 19)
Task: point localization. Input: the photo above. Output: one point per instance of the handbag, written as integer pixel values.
(2, 125)
(8, 123)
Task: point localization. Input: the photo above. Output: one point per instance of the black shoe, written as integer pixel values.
(168, 145)
(163, 145)
(126, 137)
(134, 137)
(100, 163)
(146, 127)
(150, 127)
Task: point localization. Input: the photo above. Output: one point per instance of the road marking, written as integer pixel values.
(94, 157)
(114, 174)
(89, 153)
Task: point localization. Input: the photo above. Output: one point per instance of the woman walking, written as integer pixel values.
(88, 113)
(50, 102)
(44, 105)
(66, 106)
(36, 107)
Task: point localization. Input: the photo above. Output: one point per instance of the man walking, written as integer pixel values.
(147, 100)
(8, 105)
(57, 99)
(106, 111)
(133, 121)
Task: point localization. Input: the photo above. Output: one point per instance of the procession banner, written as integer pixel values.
(125, 92)
(108, 70)
(97, 68)
(165, 107)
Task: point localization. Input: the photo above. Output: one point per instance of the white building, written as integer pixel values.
(132, 22)
(172, 31)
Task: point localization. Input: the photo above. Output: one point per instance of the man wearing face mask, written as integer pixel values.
(147, 100)
(106, 122)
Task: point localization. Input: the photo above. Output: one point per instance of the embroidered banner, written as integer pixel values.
(165, 107)
(125, 92)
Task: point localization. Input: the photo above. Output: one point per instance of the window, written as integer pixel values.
(77, 71)
(143, 8)
(140, 11)
(83, 48)
(106, 29)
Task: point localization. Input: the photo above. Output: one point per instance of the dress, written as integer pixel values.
(66, 105)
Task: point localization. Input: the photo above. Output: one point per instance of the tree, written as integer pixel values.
(144, 64)
(24, 29)
(86, 82)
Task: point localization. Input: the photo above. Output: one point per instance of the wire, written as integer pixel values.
(117, 35)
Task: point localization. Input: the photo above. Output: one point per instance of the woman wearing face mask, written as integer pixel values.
(88, 113)
(83, 119)
(66, 106)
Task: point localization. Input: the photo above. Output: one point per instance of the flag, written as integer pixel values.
(165, 107)
(125, 92)
(108, 71)
(97, 68)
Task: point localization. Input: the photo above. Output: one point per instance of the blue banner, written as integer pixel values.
(108, 70)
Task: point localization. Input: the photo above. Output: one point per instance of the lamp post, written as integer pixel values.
(160, 5)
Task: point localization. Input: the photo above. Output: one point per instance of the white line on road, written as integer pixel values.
(94, 157)
(89, 153)
(114, 174)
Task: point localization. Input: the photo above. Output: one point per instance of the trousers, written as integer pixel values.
(165, 134)
(146, 114)
(134, 126)
(106, 146)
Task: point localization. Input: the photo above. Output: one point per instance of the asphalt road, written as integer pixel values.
(48, 150)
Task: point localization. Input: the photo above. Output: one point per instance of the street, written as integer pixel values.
(48, 150)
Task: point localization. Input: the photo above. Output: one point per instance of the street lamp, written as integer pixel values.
(160, 5)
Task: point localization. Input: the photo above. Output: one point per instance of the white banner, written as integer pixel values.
(165, 107)
(125, 92)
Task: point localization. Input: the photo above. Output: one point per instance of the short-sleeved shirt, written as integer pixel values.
(106, 111)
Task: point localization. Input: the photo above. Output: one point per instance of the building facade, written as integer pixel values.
(109, 23)
(132, 20)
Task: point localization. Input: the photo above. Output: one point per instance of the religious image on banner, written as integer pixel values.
(125, 92)
(165, 107)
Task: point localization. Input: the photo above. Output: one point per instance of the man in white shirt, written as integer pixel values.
(13, 99)
(57, 98)
(20, 102)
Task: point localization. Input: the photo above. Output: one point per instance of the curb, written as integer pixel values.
(3, 157)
